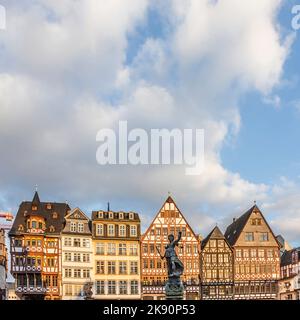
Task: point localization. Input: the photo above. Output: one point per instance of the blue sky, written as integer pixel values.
(68, 69)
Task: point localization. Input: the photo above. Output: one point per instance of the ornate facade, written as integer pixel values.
(77, 256)
(169, 220)
(35, 248)
(289, 284)
(256, 256)
(3, 265)
(116, 249)
(216, 263)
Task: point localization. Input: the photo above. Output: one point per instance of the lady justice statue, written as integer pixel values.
(174, 287)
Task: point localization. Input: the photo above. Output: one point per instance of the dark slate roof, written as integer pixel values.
(286, 258)
(234, 230)
(216, 233)
(115, 216)
(25, 211)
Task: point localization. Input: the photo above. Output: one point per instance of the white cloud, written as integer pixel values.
(64, 76)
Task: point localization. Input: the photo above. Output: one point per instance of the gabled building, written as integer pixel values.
(35, 249)
(77, 256)
(3, 265)
(116, 249)
(216, 264)
(256, 256)
(169, 220)
(289, 284)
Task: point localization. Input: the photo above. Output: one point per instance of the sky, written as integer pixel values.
(70, 68)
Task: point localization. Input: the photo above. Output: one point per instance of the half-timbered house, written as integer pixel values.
(256, 256)
(35, 249)
(216, 265)
(169, 220)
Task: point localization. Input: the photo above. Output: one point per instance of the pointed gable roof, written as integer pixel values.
(234, 230)
(216, 233)
(36, 199)
(82, 215)
(169, 200)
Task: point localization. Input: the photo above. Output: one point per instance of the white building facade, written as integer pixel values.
(77, 257)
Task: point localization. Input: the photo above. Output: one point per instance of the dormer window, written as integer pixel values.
(51, 229)
(100, 214)
(111, 215)
(48, 206)
(34, 208)
(20, 227)
(121, 215)
(131, 215)
(54, 215)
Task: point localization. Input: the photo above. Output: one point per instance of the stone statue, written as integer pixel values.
(174, 288)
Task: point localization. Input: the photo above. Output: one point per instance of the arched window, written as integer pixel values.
(52, 229)
(20, 227)
(54, 215)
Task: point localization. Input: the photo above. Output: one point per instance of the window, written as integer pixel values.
(246, 253)
(80, 227)
(111, 215)
(48, 206)
(121, 215)
(68, 273)
(188, 249)
(18, 242)
(111, 230)
(100, 215)
(68, 290)
(111, 287)
(54, 215)
(77, 273)
(213, 258)
(100, 287)
(238, 253)
(145, 264)
(33, 224)
(100, 267)
(131, 215)
(100, 248)
(86, 243)
(99, 229)
(151, 264)
(133, 250)
(85, 273)
(133, 231)
(52, 229)
(122, 249)
(212, 243)
(122, 267)
(264, 236)
(249, 236)
(122, 230)
(123, 287)
(220, 258)
(50, 262)
(73, 227)
(134, 287)
(111, 249)
(270, 253)
(111, 267)
(261, 253)
(134, 267)
(68, 256)
(85, 257)
(253, 253)
(68, 242)
(145, 248)
(77, 257)
(76, 242)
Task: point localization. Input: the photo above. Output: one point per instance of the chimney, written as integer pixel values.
(234, 219)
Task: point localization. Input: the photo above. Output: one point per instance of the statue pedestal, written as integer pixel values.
(174, 289)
